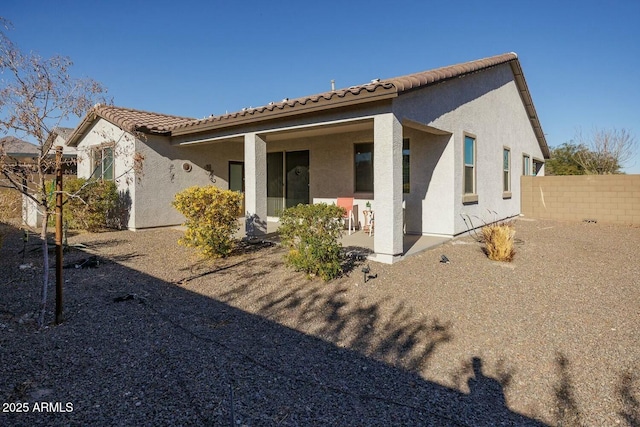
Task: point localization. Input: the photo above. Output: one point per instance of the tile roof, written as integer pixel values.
(416, 80)
(128, 119)
(138, 120)
(64, 133)
(376, 89)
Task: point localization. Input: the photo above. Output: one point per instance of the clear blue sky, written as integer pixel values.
(580, 58)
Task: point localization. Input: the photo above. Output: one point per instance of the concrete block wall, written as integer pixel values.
(603, 198)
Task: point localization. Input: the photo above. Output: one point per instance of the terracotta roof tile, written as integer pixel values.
(128, 119)
(425, 78)
(337, 96)
(354, 94)
(138, 120)
(149, 122)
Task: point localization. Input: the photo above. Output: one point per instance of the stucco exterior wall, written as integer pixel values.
(169, 169)
(104, 132)
(429, 203)
(488, 106)
(331, 165)
(151, 192)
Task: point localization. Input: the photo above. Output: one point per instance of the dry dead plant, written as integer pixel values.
(498, 240)
(10, 204)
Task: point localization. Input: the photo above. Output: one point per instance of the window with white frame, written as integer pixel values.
(469, 165)
(506, 170)
(526, 165)
(102, 163)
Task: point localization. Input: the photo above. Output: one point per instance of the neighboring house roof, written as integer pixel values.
(64, 133)
(15, 147)
(59, 137)
(128, 119)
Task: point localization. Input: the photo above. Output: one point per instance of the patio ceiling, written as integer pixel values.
(283, 134)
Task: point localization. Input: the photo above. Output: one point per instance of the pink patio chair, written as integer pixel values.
(347, 204)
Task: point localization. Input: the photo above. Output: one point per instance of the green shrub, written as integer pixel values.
(498, 240)
(89, 207)
(311, 232)
(212, 219)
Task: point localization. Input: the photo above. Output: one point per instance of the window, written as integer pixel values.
(103, 163)
(406, 167)
(363, 157)
(537, 166)
(506, 171)
(526, 165)
(469, 165)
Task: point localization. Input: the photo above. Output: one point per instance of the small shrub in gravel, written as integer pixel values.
(212, 219)
(92, 206)
(312, 233)
(498, 240)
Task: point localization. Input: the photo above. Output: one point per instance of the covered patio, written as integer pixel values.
(361, 155)
(360, 241)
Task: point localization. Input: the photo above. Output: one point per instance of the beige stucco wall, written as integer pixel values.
(164, 176)
(152, 191)
(602, 198)
(103, 132)
(488, 106)
(331, 165)
(429, 202)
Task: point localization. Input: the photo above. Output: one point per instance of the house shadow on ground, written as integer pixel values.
(136, 350)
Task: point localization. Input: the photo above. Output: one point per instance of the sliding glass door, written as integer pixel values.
(287, 180)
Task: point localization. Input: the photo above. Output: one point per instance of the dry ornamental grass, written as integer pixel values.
(498, 239)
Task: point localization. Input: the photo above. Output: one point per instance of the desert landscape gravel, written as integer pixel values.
(154, 335)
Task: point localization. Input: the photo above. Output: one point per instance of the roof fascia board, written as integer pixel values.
(525, 95)
(82, 128)
(182, 141)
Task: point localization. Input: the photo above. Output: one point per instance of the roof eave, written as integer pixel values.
(84, 125)
(286, 110)
(525, 95)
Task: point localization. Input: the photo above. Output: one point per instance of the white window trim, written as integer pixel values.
(94, 169)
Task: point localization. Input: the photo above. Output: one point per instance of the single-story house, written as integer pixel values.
(425, 152)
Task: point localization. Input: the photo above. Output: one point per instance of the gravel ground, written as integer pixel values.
(156, 336)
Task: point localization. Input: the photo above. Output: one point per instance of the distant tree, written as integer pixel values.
(607, 150)
(36, 94)
(564, 160)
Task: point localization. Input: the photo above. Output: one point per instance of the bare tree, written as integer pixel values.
(607, 150)
(36, 95)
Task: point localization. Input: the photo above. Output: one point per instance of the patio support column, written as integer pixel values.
(387, 188)
(255, 164)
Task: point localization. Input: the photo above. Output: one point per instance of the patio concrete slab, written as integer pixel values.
(412, 244)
